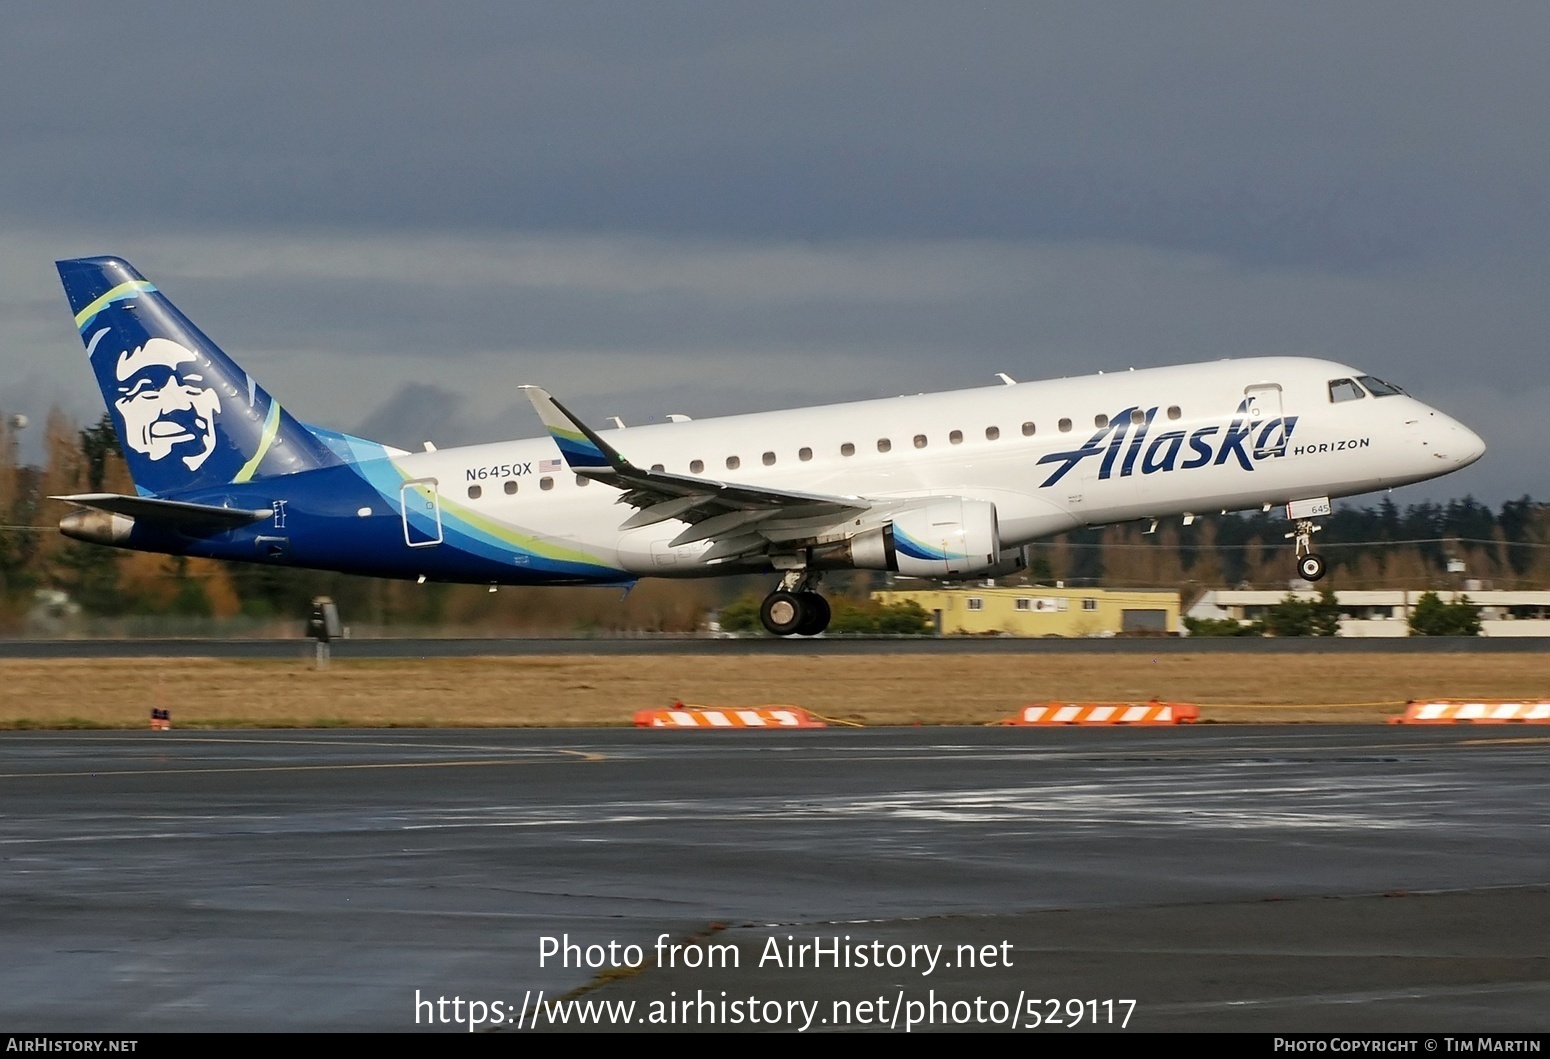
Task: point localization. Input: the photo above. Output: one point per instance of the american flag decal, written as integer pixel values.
(545, 466)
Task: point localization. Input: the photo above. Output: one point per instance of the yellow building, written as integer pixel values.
(1040, 611)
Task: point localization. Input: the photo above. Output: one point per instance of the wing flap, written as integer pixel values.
(716, 511)
(737, 520)
(658, 512)
(719, 526)
(732, 547)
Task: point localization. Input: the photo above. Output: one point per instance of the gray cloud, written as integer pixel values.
(1326, 133)
(712, 208)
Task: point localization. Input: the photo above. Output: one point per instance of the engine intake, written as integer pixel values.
(946, 539)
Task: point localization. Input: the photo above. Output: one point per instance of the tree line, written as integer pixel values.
(1296, 616)
(1381, 546)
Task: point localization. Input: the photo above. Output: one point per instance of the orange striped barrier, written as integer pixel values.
(161, 720)
(681, 716)
(1456, 711)
(1107, 713)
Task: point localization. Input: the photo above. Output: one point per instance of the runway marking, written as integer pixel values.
(582, 755)
(1418, 992)
(156, 740)
(1221, 752)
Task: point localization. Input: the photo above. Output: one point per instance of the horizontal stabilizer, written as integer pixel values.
(172, 513)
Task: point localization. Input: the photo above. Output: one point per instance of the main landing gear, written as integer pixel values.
(1310, 565)
(795, 607)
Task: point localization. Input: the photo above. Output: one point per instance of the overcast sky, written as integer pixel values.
(394, 214)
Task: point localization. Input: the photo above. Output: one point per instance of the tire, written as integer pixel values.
(1310, 567)
(815, 614)
(782, 613)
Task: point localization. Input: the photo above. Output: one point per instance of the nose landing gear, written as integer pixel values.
(1310, 565)
(795, 607)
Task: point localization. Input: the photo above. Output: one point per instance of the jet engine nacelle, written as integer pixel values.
(950, 538)
(1011, 561)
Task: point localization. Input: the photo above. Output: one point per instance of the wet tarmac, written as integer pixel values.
(1221, 877)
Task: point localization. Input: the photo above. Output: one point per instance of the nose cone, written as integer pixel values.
(1446, 444)
(1462, 445)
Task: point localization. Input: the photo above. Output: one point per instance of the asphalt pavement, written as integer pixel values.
(1218, 877)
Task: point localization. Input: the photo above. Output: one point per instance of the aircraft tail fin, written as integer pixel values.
(186, 416)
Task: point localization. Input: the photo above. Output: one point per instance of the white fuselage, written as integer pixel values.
(1194, 438)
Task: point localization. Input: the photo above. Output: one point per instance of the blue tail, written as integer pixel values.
(186, 416)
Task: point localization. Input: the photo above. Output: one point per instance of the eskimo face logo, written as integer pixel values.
(166, 404)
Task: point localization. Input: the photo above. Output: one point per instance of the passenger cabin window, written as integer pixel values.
(475, 492)
(1100, 421)
(1344, 390)
(511, 488)
(546, 483)
(582, 479)
(992, 433)
(847, 449)
(1138, 417)
(1174, 412)
(1065, 426)
(804, 454)
(658, 467)
(956, 437)
(769, 459)
(733, 463)
(920, 441)
(883, 444)
(696, 466)
(1377, 387)
(1029, 429)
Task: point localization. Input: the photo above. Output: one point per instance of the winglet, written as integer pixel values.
(583, 450)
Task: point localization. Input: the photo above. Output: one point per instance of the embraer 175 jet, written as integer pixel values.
(947, 485)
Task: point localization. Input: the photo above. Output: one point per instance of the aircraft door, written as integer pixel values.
(419, 503)
(1262, 403)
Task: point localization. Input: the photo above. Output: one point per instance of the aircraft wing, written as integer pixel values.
(176, 513)
(738, 519)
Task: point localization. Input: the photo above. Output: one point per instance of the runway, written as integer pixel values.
(1222, 877)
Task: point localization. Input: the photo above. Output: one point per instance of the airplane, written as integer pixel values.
(948, 486)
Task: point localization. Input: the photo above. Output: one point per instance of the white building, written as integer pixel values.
(1387, 613)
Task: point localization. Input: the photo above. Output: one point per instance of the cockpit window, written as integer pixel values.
(1377, 387)
(1344, 390)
